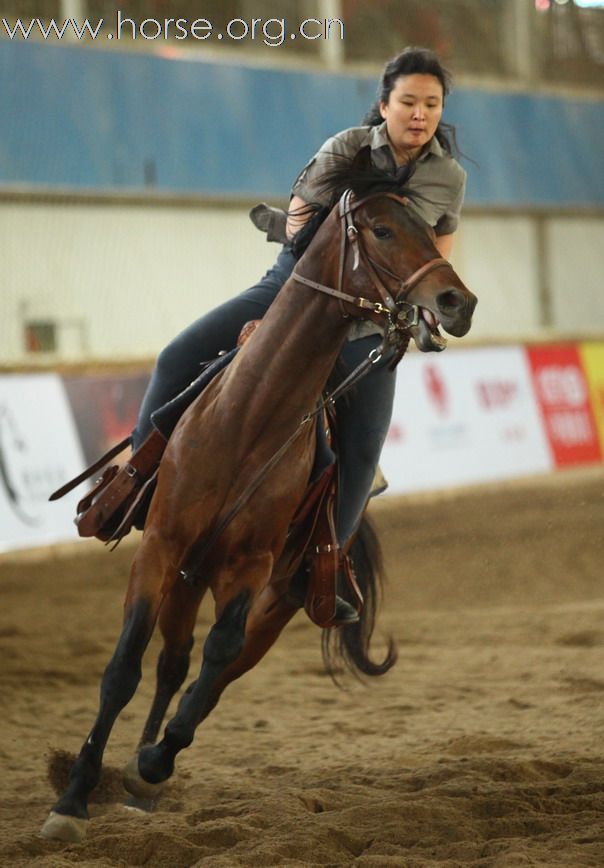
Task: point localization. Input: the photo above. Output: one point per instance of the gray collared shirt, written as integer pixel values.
(438, 180)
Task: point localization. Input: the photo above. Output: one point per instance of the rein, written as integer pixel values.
(397, 321)
(357, 374)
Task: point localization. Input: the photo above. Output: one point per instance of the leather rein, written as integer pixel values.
(399, 313)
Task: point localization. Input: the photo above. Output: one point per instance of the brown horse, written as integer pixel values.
(371, 257)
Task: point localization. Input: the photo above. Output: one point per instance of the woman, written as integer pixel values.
(404, 127)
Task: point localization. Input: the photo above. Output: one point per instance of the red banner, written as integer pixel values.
(105, 408)
(563, 399)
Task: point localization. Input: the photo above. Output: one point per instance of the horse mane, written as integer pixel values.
(363, 178)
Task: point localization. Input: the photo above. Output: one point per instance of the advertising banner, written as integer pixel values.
(563, 397)
(39, 451)
(463, 416)
(592, 357)
(105, 409)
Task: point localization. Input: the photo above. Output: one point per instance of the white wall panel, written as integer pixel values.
(576, 273)
(496, 258)
(39, 451)
(121, 281)
(464, 417)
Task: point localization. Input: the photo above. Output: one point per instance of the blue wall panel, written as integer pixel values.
(77, 118)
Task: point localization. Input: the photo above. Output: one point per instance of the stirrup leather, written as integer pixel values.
(327, 564)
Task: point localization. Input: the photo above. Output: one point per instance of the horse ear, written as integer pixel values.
(362, 160)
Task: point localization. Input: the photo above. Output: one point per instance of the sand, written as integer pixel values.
(482, 747)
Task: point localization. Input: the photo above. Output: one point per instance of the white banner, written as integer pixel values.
(39, 451)
(463, 416)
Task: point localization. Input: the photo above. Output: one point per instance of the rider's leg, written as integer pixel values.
(363, 422)
(178, 364)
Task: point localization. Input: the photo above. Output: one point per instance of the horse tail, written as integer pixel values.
(348, 645)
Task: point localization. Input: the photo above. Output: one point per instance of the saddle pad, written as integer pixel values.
(166, 417)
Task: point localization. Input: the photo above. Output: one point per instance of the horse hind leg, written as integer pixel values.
(222, 646)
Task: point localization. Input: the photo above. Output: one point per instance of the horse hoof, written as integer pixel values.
(138, 786)
(64, 828)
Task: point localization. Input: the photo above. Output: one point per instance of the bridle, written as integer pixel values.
(399, 313)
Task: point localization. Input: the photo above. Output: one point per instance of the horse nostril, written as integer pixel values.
(451, 301)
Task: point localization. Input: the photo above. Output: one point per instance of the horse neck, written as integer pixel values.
(301, 335)
(312, 325)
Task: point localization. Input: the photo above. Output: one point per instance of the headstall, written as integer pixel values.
(400, 314)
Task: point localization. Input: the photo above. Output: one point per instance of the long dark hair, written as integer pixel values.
(360, 175)
(415, 61)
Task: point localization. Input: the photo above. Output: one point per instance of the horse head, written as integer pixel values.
(416, 288)
(390, 268)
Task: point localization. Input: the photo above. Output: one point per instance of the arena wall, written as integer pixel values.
(119, 281)
(125, 181)
(100, 120)
(469, 415)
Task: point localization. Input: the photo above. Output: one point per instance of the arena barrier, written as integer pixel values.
(466, 416)
(480, 414)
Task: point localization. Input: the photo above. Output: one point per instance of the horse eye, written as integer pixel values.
(382, 232)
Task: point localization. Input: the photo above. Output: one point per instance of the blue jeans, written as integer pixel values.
(364, 413)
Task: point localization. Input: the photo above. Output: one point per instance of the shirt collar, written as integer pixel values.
(434, 147)
(378, 138)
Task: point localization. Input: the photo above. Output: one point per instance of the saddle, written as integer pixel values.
(121, 497)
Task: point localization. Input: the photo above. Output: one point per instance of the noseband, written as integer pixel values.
(399, 313)
(391, 307)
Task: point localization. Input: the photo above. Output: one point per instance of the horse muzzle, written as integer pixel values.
(452, 309)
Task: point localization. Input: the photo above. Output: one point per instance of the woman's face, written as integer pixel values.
(412, 113)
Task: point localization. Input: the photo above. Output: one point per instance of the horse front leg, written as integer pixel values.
(235, 591)
(176, 623)
(272, 610)
(69, 815)
(223, 645)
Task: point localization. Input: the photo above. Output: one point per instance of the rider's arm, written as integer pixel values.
(307, 186)
(297, 215)
(446, 226)
(444, 245)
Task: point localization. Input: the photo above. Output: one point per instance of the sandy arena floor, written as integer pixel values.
(483, 747)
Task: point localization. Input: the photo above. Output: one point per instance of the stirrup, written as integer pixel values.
(323, 606)
(327, 564)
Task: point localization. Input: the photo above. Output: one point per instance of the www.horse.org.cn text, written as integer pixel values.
(270, 31)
